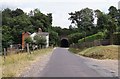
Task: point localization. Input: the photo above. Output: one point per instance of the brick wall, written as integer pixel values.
(24, 35)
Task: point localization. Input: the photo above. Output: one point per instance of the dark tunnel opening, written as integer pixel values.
(64, 43)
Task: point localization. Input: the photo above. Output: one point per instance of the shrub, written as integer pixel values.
(117, 38)
(53, 38)
(97, 36)
(40, 40)
(73, 38)
(28, 40)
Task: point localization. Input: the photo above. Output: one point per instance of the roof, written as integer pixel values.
(44, 33)
(32, 35)
(40, 33)
(27, 33)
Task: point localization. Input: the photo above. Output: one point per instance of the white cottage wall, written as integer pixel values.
(47, 41)
(46, 36)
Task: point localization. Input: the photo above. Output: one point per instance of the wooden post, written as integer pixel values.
(33, 47)
(28, 50)
(4, 53)
(11, 47)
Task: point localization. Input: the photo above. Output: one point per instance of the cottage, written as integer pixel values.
(24, 36)
(40, 33)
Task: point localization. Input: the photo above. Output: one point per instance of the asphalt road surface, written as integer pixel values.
(65, 64)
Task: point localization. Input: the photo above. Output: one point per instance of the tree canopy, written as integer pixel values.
(14, 22)
(106, 22)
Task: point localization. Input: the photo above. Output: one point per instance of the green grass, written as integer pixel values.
(99, 52)
(75, 50)
(14, 64)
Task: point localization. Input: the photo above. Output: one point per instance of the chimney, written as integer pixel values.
(39, 30)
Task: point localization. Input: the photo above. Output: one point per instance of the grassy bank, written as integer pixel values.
(14, 64)
(98, 52)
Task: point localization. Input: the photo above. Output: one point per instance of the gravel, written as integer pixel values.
(106, 66)
(36, 67)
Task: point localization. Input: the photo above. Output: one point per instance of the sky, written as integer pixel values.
(59, 8)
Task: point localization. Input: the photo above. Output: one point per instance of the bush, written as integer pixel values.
(91, 38)
(40, 40)
(28, 40)
(54, 39)
(117, 38)
(73, 38)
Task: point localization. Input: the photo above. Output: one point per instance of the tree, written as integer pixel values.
(17, 12)
(50, 17)
(16, 21)
(83, 19)
(73, 38)
(53, 38)
(40, 41)
(102, 22)
(112, 25)
(84, 16)
(6, 36)
(113, 12)
(118, 19)
(28, 40)
(57, 29)
(7, 13)
(108, 22)
(41, 20)
(112, 21)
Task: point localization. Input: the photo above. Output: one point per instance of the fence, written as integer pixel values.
(15, 48)
(91, 44)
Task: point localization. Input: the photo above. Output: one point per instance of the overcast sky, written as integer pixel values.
(59, 8)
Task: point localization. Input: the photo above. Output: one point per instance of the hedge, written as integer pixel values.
(99, 35)
(73, 38)
(116, 38)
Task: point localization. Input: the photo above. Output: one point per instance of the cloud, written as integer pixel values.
(119, 5)
(22, 1)
(59, 8)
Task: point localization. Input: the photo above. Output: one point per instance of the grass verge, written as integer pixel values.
(14, 64)
(98, 52)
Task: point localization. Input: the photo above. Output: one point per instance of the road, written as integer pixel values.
(63, 63)
(66, 64)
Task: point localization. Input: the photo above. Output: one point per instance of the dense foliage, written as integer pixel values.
(73, 38)
(109, 23)
(28, 40)
(54, 38)
(14, 22)
(99, 35)
(40, 41)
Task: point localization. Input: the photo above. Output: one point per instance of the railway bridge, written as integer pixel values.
(64, 42)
